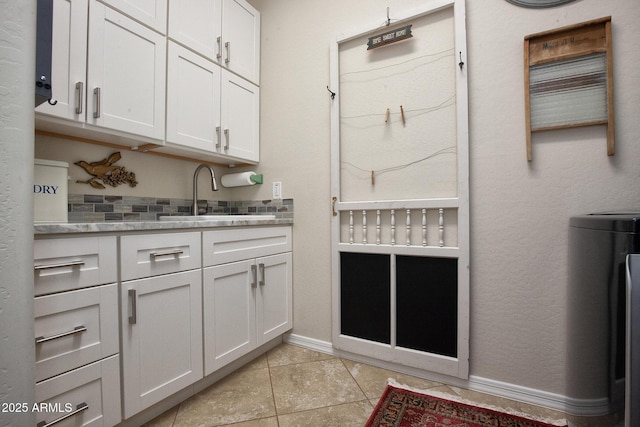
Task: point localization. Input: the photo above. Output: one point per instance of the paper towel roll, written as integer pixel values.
(240, 179)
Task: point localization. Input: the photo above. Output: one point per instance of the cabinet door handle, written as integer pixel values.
(76, 330)
(166, 253)
(261, 267)
(254, 276)
(134, 307)
(226, 137)
(79, 96)
(227, 46)
(79, 408)
(219, 143)
(219, 54)
(75, 263)
(96, 97)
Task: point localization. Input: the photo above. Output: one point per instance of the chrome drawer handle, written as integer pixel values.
(60, 265)
(76, 330)
(167, 253)
(81, 407)
(133, 317)
(261, 267)
(254, 276)
(227, 46)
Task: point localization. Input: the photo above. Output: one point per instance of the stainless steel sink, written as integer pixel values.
(217, 218)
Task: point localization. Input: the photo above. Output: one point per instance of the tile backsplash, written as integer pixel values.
(99, 208)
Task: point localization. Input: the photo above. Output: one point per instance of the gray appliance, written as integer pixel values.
(596, 308)
(632, 389)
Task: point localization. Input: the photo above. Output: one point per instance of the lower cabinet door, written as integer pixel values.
(229, 312)
(161, 337)
(87, 396)
(274, 297)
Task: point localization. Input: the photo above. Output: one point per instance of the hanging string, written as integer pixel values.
(442, 55)
(371, 173)
(419, 111)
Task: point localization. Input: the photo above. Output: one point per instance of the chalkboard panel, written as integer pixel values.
(427, 304)
(365, 296)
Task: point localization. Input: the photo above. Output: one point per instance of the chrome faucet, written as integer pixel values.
(214, 185)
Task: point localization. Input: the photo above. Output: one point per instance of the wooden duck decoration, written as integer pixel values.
(105, 171)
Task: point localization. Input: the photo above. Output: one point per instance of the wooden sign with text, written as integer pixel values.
(389, 37)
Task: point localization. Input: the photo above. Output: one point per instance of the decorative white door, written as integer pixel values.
(400, 190)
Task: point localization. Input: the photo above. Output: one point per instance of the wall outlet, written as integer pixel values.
(277, 190)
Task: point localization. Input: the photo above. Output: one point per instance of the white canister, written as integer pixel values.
(50, 191)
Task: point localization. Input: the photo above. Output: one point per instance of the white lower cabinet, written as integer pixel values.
(161, 320)
(87, 396)
(185, 304)
(76, 332)
(247, 302)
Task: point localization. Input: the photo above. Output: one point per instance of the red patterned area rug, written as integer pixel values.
(405, 408)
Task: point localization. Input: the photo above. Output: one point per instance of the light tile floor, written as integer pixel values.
(294, 386)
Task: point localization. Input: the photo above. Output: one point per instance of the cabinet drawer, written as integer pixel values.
(96, 385)
(154, 254)
(66, 264)
(223, 246)
(75, 328)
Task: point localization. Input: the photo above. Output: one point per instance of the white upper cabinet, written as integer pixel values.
(108, 72)
(152, 13)
(193, 100)
(126, 74)
(240, 42)
(240, 118)
(225, 31)
(196, 24)
(68, 60)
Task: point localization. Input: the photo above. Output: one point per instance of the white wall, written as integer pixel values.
(17, 346)
(519, 210)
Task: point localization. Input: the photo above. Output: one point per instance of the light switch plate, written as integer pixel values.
(277, 190)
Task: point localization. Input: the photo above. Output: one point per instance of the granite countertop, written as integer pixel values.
(107, 227)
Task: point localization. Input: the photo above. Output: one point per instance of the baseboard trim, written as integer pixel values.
(579, 407)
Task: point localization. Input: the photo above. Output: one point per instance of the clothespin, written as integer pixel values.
(386, 117)
(402, 114)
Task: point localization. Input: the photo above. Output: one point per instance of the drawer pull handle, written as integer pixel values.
(76, 330)
(81, 407)
(254, 276)
(60, 265)
(133, 317)
(167, 253)
(261, 267)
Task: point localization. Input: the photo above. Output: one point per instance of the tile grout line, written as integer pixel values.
(355, 380)
(273, 393)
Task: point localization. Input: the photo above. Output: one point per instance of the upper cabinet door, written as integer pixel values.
(68, 60)
(241, 39)
(126, 74)
(240, 118)
(152, 13)
(197, 24)
(193, 100)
